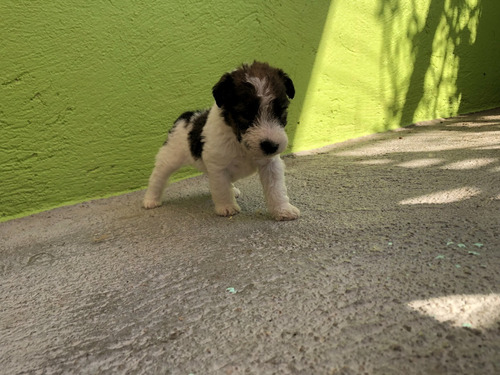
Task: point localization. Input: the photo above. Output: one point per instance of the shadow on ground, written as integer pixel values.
(392, 268)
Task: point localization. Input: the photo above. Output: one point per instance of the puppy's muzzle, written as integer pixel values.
(269, 147)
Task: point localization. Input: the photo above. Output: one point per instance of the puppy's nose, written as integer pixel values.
(269, 147)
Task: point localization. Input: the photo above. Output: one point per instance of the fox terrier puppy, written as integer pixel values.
(243, 132)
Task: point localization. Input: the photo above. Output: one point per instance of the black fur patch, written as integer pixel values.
(238, 99)
(195, 138)
(186, 116)
(242, 116)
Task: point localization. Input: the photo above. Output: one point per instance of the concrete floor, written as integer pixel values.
(393, 268)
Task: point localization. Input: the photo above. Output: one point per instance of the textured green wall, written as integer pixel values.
(389, 63)
(88, 91)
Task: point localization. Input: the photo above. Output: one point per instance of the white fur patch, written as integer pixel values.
(260, 84)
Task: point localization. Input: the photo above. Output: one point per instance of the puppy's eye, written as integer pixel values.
(247, 114)
(243, 121)
(248, 111)
(279, 108)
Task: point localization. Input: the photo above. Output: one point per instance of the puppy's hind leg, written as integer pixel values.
(168, 160)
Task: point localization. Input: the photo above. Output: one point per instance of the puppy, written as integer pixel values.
(243, 133)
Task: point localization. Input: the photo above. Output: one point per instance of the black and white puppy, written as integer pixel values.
(243, 132)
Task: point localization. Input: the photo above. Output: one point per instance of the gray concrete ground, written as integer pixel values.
(393, 268)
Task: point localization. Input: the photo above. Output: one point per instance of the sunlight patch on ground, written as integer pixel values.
(470, 164)
(470, 125)
(446, 196)
(492, 118)
(375, 162)
(492, 147)
(420, 163)
(474, 311)
(427, 141)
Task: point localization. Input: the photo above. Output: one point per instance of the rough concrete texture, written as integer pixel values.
(392, 269)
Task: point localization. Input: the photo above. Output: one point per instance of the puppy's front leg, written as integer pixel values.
(272, 176)
(222, 193)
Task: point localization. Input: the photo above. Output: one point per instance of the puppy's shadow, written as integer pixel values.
(199, 206)
(190, 203)
(191, 197)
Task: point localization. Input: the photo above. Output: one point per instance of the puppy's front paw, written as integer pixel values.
(227, 210)
(151, 203)
(286, 212)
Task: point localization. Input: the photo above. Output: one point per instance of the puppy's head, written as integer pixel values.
(254, 101)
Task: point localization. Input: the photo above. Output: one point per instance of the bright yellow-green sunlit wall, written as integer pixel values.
(387, 64)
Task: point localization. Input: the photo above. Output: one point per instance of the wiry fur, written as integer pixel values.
(241, 134)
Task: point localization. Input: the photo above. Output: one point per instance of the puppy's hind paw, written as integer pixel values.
(227, 210)
(285, 213)
(151, 203)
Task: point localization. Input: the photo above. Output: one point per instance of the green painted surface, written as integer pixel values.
(387, 64)
(88, 91)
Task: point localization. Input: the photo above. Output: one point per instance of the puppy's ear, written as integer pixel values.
(223, 90)
(290, 89)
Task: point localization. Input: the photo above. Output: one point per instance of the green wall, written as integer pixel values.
(88, 91)
(390, 63)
